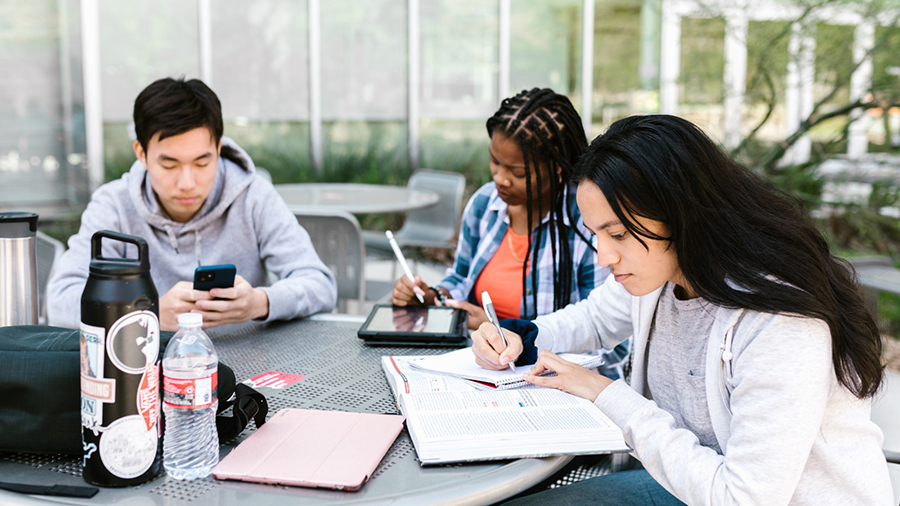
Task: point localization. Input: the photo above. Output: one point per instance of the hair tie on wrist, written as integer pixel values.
(440, 294)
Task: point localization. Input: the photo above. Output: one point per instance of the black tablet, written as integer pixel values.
(415, 326)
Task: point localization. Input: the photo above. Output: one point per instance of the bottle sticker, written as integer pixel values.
(190, 393)
(148, 396)
(133, 342)
(95, 389)
(127, 448)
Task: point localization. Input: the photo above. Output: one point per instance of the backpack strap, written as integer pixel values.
(247, 404)
(54, 490)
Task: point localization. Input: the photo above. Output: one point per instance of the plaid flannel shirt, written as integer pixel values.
(484, 225)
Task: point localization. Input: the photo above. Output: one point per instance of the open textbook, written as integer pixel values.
(461, 364)
(449, 420)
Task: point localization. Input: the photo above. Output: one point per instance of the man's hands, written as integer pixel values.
(240, 303)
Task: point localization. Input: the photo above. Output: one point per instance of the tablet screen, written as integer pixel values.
(432, 320)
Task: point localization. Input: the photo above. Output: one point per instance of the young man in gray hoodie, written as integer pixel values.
(196, 199)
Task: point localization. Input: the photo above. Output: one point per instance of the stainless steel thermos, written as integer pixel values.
(120, 342)
(18, 269)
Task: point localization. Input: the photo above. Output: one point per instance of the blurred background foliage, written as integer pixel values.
(262, 79)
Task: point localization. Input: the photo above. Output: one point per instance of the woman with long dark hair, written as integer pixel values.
(753, 341)
(522, 238)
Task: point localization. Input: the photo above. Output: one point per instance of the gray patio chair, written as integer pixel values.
(434, 227)
(876, 274)
(338, 241)
(48, 252)
(264, 173)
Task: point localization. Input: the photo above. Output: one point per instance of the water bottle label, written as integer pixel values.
(95, 389)
(190, 393)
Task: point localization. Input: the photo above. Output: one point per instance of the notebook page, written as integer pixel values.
(461, 363)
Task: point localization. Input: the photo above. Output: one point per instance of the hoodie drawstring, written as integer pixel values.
(197, 248)
(173, 241)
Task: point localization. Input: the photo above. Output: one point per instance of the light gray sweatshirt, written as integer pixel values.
(242, 222)
(789, 432)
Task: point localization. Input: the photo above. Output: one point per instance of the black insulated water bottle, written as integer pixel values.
(120, 342)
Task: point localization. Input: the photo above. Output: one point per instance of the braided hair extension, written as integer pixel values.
(549, 132)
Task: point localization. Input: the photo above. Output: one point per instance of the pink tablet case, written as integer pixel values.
(311, 448)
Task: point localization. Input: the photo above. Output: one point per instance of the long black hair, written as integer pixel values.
(172, 107)
(548, 130)
(740, 242)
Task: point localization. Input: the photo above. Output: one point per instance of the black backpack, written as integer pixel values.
(40, 392)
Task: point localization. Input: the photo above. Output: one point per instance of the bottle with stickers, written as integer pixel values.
(190, 364)
(119, 357)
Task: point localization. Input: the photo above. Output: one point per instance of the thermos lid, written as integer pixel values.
(18, 225)
(104, 266)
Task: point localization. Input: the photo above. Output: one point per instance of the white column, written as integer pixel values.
(735, 75)
(204, 20)
(412, 69)
(587, 66)
(93, 103)
(503, 56)
(860, 81)
(315, 86)
(649, 67)
(799, 95)
(669, 58)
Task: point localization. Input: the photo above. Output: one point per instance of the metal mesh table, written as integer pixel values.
(341, 374)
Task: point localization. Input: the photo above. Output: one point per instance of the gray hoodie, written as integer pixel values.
(242, 222)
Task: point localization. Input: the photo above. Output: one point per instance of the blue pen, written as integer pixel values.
(488, 306)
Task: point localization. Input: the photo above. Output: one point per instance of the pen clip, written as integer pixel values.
(487, 313)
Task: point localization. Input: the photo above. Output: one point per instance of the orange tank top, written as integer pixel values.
(502, 276)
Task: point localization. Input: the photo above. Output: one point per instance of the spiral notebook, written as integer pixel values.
(461, 364)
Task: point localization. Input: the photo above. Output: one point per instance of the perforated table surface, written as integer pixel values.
(341, 374)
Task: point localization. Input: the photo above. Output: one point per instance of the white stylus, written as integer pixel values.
(488, 305)
(403, 264)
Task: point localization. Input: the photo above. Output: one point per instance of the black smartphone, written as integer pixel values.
(207, 277)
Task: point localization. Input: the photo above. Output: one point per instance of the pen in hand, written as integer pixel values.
(404, 265)
(488, 305)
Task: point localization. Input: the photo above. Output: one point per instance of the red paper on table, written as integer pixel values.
(274, 379)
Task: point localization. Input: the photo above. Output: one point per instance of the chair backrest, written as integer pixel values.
(338, 241)
(48, 252)
(264, 173)
(435, 226)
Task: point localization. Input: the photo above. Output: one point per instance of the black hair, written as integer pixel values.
(740, 241)
(548, 130)
(172, 107)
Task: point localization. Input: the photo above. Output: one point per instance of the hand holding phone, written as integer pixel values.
(207, 277)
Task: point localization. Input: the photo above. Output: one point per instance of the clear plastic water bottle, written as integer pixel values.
(190, 442)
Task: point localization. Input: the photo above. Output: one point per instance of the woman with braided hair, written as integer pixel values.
(522, 237)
